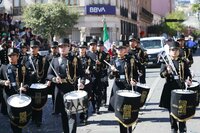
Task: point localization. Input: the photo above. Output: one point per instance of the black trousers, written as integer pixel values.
(143, 76)
(15, 129)
(37, 116)
(97, 94)
(125, 129)
(84, 115)
(69, 122)
(177, 125)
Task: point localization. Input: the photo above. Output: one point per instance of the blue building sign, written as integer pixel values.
(100, 10)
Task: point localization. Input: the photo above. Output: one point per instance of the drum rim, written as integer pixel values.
(175, 90)
(65, 95)
(142, 86)
(38, 88)
(9, 98)
(138, 94)
(194, 86)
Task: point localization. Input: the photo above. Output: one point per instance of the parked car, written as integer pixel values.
(154, 46)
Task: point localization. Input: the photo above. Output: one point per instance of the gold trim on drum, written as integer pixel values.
(181, 120)
(126, 125)
(27, 115)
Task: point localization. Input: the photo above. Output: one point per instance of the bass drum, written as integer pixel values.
(143, 89)
(39, 94)
(76, 101)
(19, 109)
(127, 105)
(195, 87)
(183, 104)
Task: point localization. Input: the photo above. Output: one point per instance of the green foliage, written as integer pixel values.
(49, 19)
(195, 7)
(175, 26)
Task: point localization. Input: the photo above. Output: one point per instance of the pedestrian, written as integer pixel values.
(174, 81)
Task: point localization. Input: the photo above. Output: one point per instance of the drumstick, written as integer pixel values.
(132, 85)
(20, 90)
(107, 63)
(53, 69)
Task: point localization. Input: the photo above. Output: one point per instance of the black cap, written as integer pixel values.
(54, 44)
(12, 51)
(120, 44)
(83, 44)
(174, 45)
(180, 37)
(63, 41)
(74, 44)
(92, 41)
(34, 43)
(100, 43)
(133, 37)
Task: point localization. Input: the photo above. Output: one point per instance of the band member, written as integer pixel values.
(104, 71)
(35, 66)
(185, 53)
(124, 70)
(23, 56)
(11, 75)
(88, 69)
(175, 78)
(98, 58)
(64, 72)
(139, 54)
(51, 86)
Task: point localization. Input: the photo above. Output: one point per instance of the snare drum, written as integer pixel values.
(38, 93)
(76, 101)
(195, 87)
(127, 104)
(143, 89)
(183, 104)
(19, 109)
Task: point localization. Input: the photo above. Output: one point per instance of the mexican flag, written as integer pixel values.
(106, 41)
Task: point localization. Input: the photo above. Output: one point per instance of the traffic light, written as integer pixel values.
(174, 20)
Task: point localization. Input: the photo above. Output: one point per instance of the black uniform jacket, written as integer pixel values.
(125, 71)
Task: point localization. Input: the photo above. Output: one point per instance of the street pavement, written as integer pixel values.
(151, 119)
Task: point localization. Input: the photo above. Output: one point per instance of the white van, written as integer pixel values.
(154, 46)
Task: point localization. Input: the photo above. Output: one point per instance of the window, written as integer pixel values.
(16, 3)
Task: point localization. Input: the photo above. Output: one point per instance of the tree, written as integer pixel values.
(195, 7)
(173, 27)
(49, 19)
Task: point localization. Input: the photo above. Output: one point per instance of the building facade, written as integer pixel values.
(122, 16)
(160, 8)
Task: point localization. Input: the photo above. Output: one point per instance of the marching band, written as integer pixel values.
(64, 73)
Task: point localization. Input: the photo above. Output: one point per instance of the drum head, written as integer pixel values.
(180, 91)
(38, 86)
(194, 84)
(18, 101)
(143, 86)
(75, 94)
(128, 93)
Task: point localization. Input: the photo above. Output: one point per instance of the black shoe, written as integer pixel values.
(83, 122)
(173, 131)
(98, 112)
(55, 113)
(38, 123)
